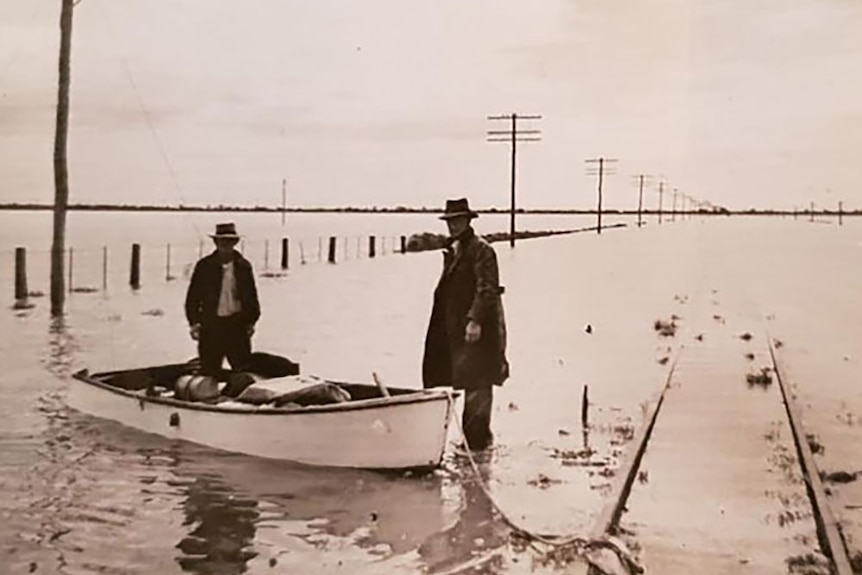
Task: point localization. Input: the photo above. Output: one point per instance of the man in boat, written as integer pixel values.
(465, 346)
(221, 304)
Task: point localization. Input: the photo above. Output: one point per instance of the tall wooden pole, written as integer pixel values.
(602, 163)
(640, 200)
(283, 200)
(673, 208)
(660, 197)
(61, 171)
(512, 136)
(514, 154)
(599, 212)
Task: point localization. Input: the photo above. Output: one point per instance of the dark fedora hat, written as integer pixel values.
(226, 231)
(458, 208)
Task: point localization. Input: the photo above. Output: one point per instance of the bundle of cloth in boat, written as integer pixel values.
(192, 386)
(267, 379)
(259, 365)
(294, 391)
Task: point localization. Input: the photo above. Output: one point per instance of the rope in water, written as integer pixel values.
(551, 540)
(579, 545)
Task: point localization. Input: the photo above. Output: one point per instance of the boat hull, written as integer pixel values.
(403, 432)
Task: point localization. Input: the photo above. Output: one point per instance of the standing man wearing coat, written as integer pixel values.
(221, 304)
(465, 346)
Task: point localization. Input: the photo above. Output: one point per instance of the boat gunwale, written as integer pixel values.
(413, 396)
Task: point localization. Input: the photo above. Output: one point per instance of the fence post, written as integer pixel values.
(168, 264)
(403, 244)
(21, 292)
(71, 265)
(266, 254)
(371, 246)
(284, 252)
(135, 272)
(104, 268)
(331, 249)
(585, 406)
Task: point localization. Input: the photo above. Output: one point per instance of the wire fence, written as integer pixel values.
(101, 268)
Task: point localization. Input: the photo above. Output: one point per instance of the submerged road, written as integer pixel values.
(732, 479)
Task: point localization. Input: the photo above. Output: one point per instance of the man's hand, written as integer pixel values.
(195, 331)
(473, 332)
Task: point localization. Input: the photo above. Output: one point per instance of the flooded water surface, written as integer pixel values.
(82, 495)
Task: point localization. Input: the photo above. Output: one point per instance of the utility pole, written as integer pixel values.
(641, 178)
(61, 168)
(640, 199)
(840, 213)
(660, 198)
(283, 199)
(673, 209)
(512, 136)
(811, 212)
(600, 172)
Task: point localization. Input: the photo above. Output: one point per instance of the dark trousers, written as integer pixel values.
(476, 419)
(220, 338)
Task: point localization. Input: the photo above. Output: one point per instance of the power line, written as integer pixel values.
(641, 179)
(600, 172)
(673, 209)
(148, 120)
(513, 136)
(660, 199)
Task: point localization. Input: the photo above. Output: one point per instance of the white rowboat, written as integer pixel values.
(407, 430)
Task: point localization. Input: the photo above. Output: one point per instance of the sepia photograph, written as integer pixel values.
(432, 287)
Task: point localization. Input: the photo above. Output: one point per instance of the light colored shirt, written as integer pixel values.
(228, 302)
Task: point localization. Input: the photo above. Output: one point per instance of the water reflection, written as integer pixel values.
(223, 528)
(477, 530)
(242, 510)
(61, 347)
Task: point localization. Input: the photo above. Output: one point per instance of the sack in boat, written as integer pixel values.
(324, 393)
(196, 388)
(269, 365)
(257, 396)
(134, 380)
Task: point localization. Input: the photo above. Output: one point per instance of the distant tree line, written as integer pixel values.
(717, 210)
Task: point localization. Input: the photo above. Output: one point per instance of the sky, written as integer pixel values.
(384, 102)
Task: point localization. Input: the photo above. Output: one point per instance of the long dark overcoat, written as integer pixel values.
(204, 290)
(469, 288)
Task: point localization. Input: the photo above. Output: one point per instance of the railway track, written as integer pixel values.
(634, 515)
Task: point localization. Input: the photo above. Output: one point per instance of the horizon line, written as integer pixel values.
(82, 206)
